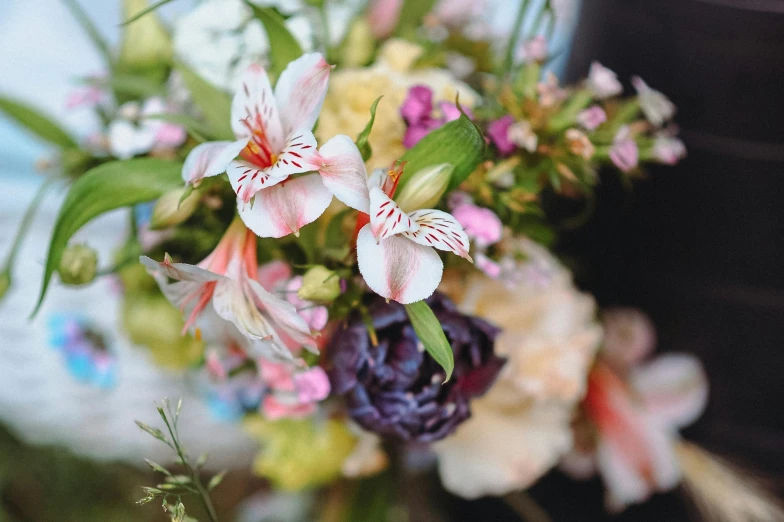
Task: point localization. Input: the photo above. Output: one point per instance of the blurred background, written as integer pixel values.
(698, 247)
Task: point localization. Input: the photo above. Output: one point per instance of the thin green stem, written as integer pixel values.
(325, 30)
(517, 30)
(92, 31)
(24, 226)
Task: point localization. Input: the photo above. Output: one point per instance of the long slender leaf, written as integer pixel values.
(107, 187)
(459, 142)
(143, 12)
(284, 48)
(362, 138)
(429, 331)
(37, 123)
(92, 31)
(213, 103)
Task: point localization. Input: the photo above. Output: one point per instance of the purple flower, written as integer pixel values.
(499, 135)
(624, 152)
(417, 111)
(395, 388)
(592, 117)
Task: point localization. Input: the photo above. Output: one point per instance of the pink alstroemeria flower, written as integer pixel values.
(228, 279)
(395, 250)
(274, 142)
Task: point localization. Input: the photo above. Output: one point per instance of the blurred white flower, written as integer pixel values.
(603, 82)
(655, 105)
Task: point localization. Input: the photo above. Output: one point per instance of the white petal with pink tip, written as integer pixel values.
(254, 109)
(300, 91)
(386, 218)
(343, 172)
(210, 159)
(439, 230)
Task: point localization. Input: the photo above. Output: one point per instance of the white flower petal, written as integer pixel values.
(674, 388)
(386, 218)
(210, 159)
(439, 230)
(343, 172)
(285, 208)
(284, 316)
(180, 271)
(233, 305)
(127, 140)
(254, 110)
(300, 91)
(397, 268)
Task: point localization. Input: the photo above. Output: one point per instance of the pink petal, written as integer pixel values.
(343, 172)
(180, 271)
(386, 218)
(284, 316)
(674, 388)
(418, 104)
(273, 273)
(300, 91)
(275, 409)
(439, 230)
(312, 385)
(498, 131)
(232, 304)
(286, 207)
(254, 110)
(210, 159)
(398, 268)
(481, 224)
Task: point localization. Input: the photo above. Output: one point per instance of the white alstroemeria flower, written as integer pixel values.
(395, 250)
(228, 278)
(274, 142)
(134, 132)
(603, 82)
(655, 105)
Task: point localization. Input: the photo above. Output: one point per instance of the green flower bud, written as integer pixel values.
(358, 47)
(319, 284)
(425, 188)
(169, 211)
(78, 265)
(300, 454)
(145, 42)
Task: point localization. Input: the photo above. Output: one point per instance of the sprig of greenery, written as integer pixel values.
(175, 486)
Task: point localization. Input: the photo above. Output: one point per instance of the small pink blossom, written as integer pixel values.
(383, 15)
(417, 111)
(624, 152)
(291, 392)
(488, 266)
(592, 117)
(629, 337)
(498, 131)
(550, 92)
(312, 385)
(603, 82)
(85, 96)
(534, 50)
(481, 224)
(668, 150)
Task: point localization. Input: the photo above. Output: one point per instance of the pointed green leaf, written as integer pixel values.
(362, 137)
(284, 48)
(430, 333)
(37, 123)
(459, 142)
(216, 480)
(92, 31)
(107, 187)
(213, 103)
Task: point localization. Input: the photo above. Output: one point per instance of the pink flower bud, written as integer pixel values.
(592, 117)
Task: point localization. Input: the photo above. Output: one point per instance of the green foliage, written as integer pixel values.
(362, 137)
(37, 123)
(430, 333)
(411, 15)
(107, 187)
(214, 104)
(284, 48)
(148, 10)
(459, 142)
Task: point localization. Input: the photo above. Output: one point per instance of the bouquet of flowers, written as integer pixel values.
(336, 222)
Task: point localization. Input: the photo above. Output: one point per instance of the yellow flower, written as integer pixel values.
(351, 92)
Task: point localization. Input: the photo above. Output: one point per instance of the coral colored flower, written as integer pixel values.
(603, 82)
(624, 152)
(227, 279)
(591, 117)
(655, 105)
(395, 250)
(274, 142)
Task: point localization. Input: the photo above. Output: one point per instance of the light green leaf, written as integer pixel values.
(411, 15)
(362, 137)
(459, 142)
(213, 103)
(216, 480)
(37, 123)
(284, 48)
(430, 333)
(107, 187)
(134, 86)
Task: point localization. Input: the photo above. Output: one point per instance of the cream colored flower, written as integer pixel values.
(521, 427)
(346, 108)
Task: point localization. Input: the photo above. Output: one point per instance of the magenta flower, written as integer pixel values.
(417, 111)
(498, 131)
(592, 117)
(481, 224)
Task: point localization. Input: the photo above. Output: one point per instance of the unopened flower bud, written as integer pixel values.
(319, 284)
(170, 211)
(78, 265)
(425, 188)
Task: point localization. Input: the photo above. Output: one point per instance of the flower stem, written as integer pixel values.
(524, 505)
(517, 29)
(24, 226)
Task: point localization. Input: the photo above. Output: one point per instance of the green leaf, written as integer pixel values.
(131, 85)
(143, 12)
(362, 137)
(37, 123)
(459, 142)
(213, 103)
(92, 31)
(216, 480)
(107, 187)
(411, 15)
(429, 331)
(284, 48)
